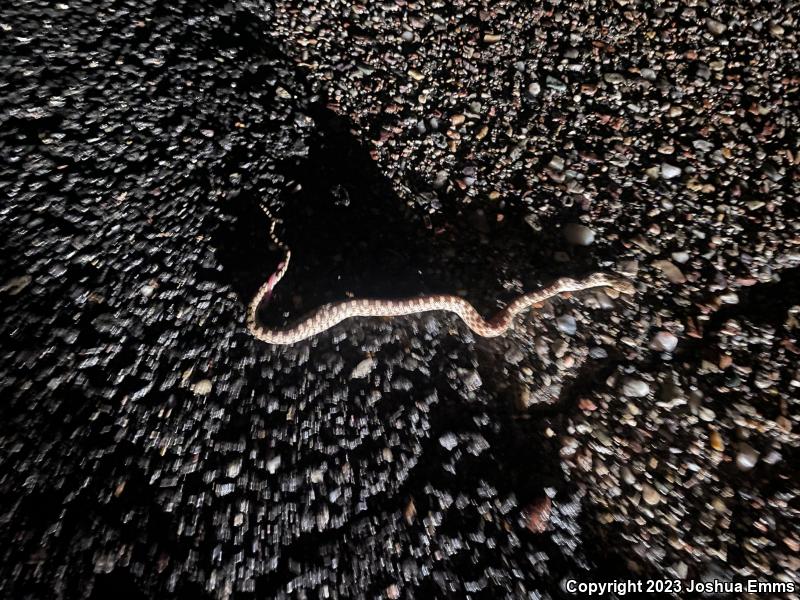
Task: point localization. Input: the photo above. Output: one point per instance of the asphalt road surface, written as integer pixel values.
(151, 448)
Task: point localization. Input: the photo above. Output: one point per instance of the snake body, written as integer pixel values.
(328, 315)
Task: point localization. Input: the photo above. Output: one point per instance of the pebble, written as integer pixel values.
(569, 445)
(718, 504)
(557, 164)
(578, 235)
(448, 441)
(514, 355)
(681, 569)
(669, 171)
(664, 341)
(716, 442)
(629, 268)
(703, 145)
(614, 78)
(746, 457)
(777, 30)
(363, 368)
(273, 464)
(457, 120)
(715, 27)
(706, 414)
(202, 387)
(233, 469)
(410, 512)
(471, 378)
(635, 388)
(567, 324)
(792, 543)
(560, 348)
(524, 398)
(147, 290)
(650, 494)
(627, 476)
(537, 515)
(680, 257)
(555, 84)
(673, 273)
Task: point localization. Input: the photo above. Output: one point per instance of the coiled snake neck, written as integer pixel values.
(328, 315)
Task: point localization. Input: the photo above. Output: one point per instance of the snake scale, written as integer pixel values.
(328, 315)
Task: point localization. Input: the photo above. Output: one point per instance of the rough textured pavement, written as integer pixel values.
(151, 449)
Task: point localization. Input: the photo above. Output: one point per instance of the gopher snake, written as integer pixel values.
(328, 315)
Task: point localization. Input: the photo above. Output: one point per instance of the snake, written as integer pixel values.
(328, 315)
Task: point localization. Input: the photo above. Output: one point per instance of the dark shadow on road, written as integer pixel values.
(351, 235)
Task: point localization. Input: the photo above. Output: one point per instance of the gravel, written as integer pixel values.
(150, 445)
